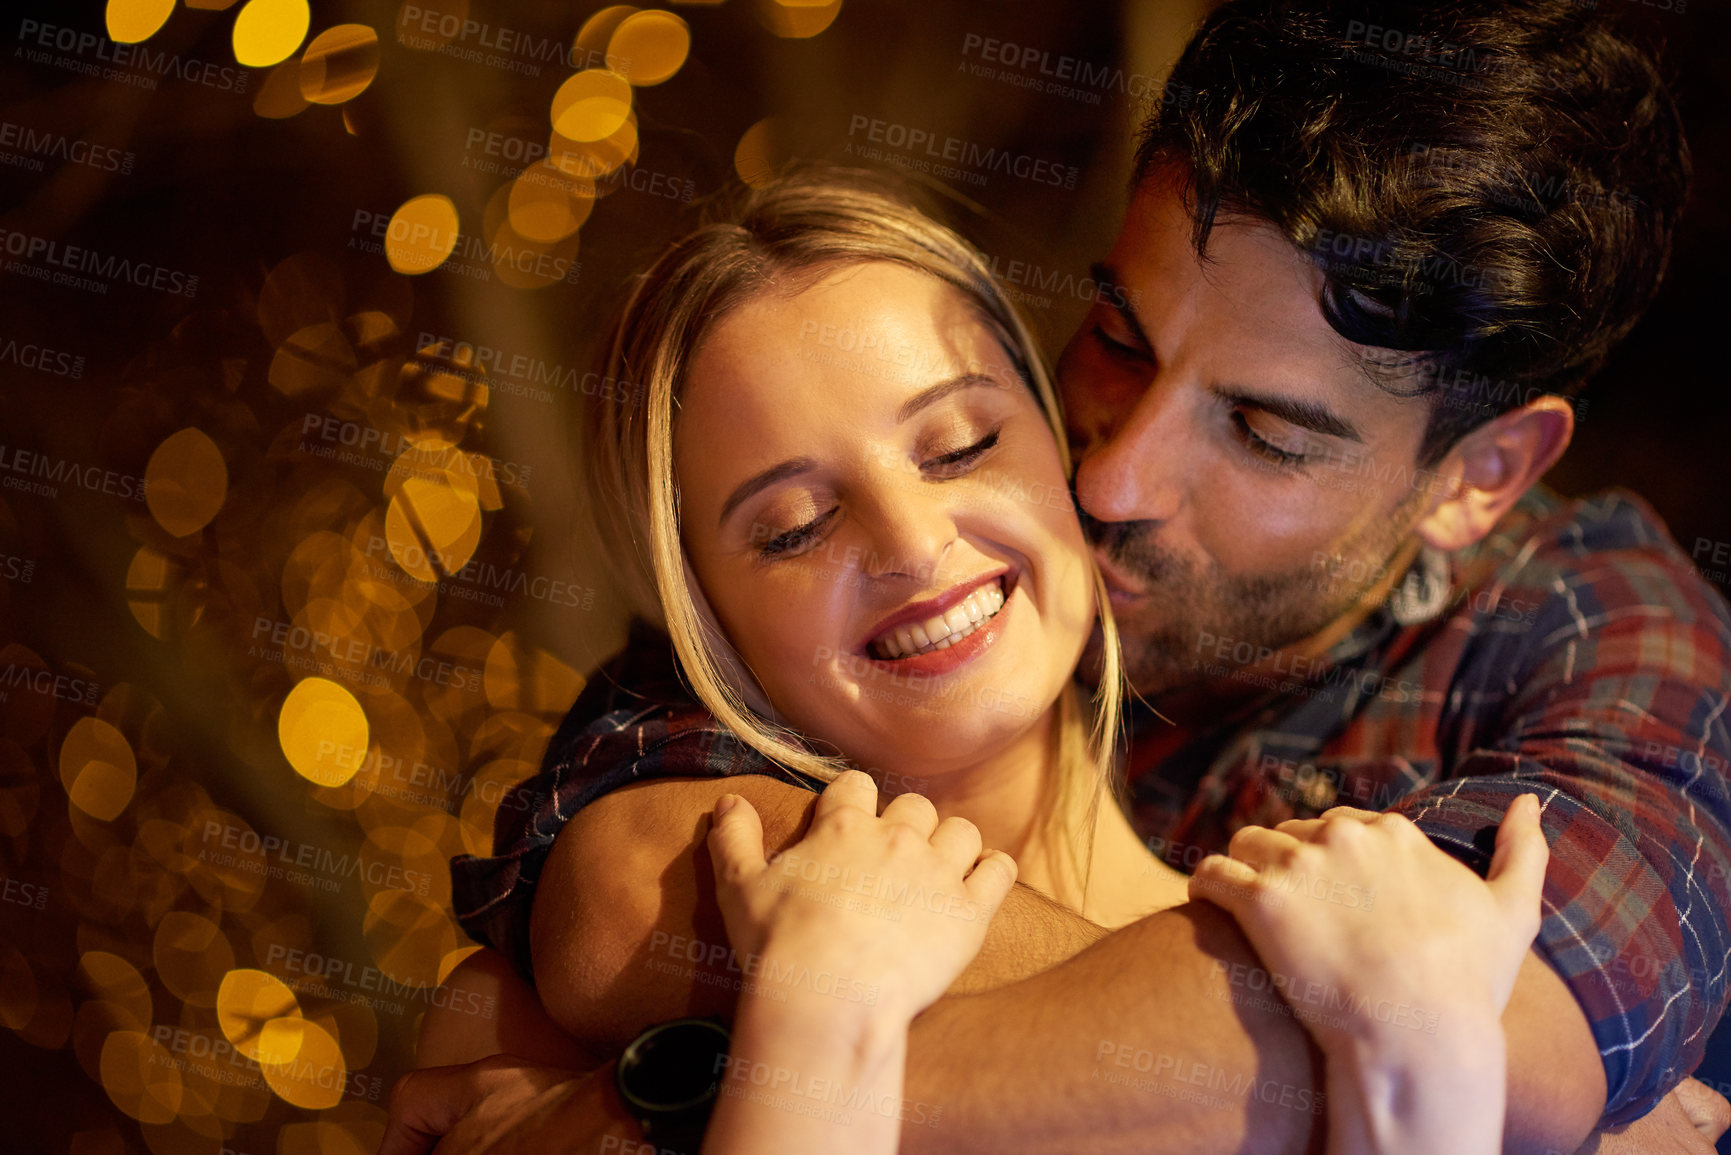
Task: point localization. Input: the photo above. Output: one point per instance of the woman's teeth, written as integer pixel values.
(943, 630)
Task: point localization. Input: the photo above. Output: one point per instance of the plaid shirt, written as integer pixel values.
(1574, 653)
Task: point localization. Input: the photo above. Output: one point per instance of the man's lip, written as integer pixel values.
(1116, 586)
(932, 607)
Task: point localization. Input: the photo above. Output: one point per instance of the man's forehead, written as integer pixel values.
(1247, 260)
(1248, 312)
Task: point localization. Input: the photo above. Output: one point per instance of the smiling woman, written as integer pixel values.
(826, 472)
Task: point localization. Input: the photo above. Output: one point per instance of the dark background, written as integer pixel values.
(262, 208)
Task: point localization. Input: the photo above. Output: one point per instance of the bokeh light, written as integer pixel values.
(98, 769)
(650, 46)
(141, 1077)
(107, 976)
(247, 1001)
(591, 105)
(339, 64)
(267, 32)
(279, 97)
(304, 1064)
(759, 152)
(323, 732)
(546, 204)
(592, 38)
(422, 234)
(132, 21)
(187, 482)
(798, 19)
(588, 160)
(191, 955)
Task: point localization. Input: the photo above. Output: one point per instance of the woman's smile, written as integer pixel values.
(938, 623)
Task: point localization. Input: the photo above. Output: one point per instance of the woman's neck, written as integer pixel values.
(1008, 796)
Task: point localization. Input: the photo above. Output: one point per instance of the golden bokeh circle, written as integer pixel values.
(587, 161)
(268, 31)
(149, 577)
(591, 105)
(323, 732)
(339, 64)
(247, 1002)
(759, 152)
(315, 1074)
(422, 234)
(132, 21)
(798, 19)
(433, 522)
(107, 976)
(186, 482)
(311, 361)
(191, 956)
(546, 204)
(98, 769)
(650, 46)
(591, 40)
(279, 97)
(140, 1077)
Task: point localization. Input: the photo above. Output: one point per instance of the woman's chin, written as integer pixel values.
(931, 740)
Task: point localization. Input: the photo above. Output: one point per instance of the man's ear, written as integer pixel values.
(1491, 467)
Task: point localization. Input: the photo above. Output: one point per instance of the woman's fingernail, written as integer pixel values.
(725, 803)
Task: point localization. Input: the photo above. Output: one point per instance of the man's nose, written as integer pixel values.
(1136, 468)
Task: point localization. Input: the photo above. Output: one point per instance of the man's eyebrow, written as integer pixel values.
(758, 482)
(1305, 414)
(794, 466)
(1105, 274)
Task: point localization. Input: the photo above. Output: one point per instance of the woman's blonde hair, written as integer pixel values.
(782, 237)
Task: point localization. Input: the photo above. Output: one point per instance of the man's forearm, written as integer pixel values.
(1166, 1036)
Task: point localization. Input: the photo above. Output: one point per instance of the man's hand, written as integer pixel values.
(505, 1106)
(1688, 1121)
(1706, 1108)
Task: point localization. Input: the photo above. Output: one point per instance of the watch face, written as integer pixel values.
(673, 1067)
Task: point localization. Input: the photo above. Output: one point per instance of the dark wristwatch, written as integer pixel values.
(668, 1078)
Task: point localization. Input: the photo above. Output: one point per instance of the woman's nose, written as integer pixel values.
(908, 529)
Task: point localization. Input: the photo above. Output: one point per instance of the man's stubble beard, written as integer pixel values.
(1190, 603)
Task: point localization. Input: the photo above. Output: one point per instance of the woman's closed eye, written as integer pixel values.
(958, 462)
(941, 467)
(797, 539)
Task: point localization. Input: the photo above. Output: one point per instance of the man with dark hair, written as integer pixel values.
(1369, 262)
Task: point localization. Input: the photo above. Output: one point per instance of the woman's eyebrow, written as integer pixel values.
(931, 395)
(757, 482)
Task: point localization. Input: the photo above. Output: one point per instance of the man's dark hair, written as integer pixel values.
(1490, 186)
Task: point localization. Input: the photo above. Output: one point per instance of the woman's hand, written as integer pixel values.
(899, 902)
(1370, 930)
